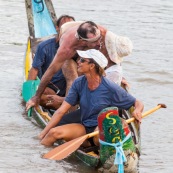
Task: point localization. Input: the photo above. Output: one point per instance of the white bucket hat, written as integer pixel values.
(96, 55)
(117, 46)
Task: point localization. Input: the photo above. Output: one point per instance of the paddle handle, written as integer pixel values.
(132, 119)
(92, 134)
(148, 112)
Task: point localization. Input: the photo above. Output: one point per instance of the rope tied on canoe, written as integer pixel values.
(42, 4)
(119, 156)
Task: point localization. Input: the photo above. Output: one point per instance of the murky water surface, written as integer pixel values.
(149, 70)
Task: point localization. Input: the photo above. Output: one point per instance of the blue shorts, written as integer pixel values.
(75, 117)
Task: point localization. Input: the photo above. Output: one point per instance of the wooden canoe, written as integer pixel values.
(39, 14)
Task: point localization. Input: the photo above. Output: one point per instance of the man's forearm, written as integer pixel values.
(44, 81)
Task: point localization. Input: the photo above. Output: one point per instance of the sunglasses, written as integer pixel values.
(82, 60)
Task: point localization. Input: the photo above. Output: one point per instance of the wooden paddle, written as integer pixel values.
(67, 148)
(29, 88)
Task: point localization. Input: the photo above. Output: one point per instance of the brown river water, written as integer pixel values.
(149, 71)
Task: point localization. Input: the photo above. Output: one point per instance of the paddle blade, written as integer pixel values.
(29, 89)
(66, 149)
(29, 112)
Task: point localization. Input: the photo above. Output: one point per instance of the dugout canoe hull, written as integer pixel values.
(38, 12)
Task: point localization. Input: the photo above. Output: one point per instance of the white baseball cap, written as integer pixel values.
(96, 55)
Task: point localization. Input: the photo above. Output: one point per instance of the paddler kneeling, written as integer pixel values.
(93, 92)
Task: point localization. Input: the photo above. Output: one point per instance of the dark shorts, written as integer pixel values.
(55, 89)
(75, 117)
(72, 117)
(59, 88)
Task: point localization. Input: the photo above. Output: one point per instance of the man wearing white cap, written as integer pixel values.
(93, 92)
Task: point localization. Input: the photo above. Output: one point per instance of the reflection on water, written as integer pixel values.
(149, 71)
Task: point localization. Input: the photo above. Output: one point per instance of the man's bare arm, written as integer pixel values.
(65, 52)
(53, 68)
(62, 54)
